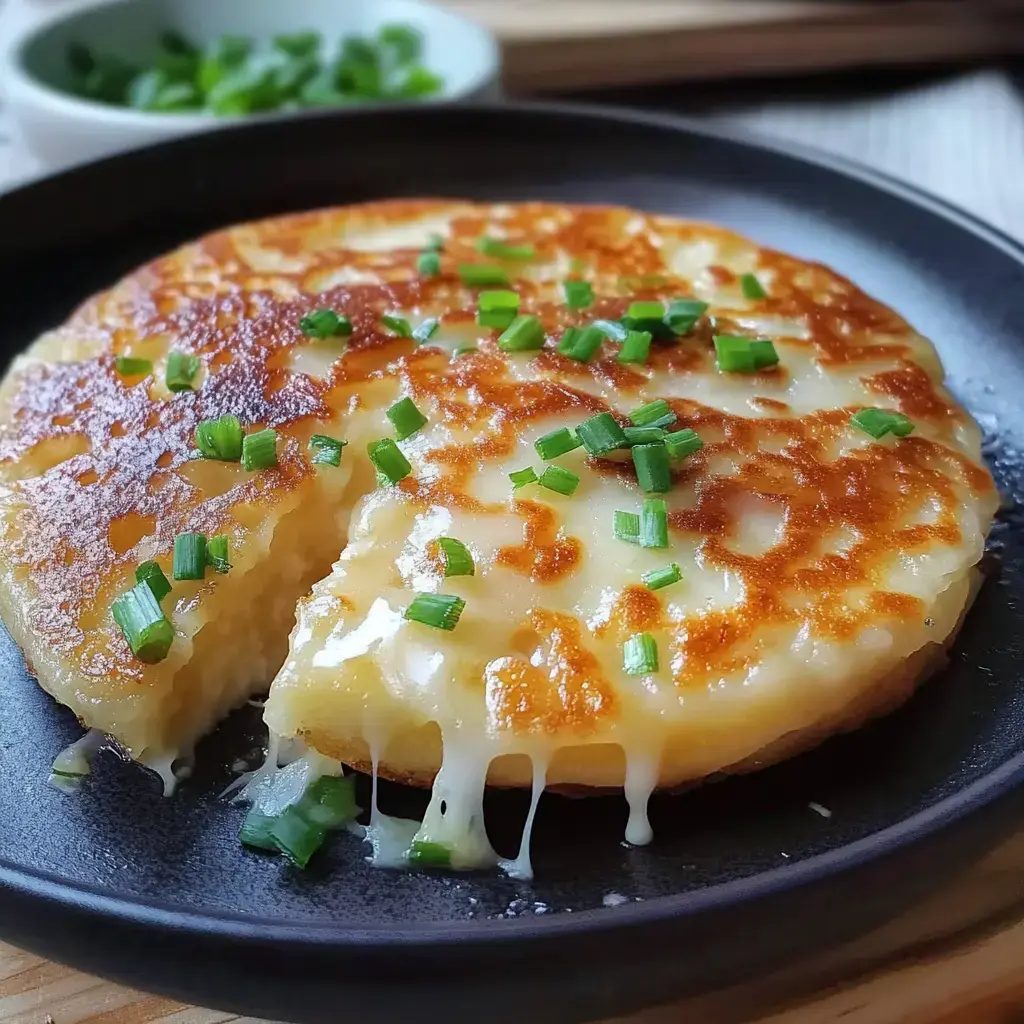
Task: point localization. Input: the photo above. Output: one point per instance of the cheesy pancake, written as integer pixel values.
(564, 496)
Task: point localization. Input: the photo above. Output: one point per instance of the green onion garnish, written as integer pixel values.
(429, 855)
(522, 477)
(879, 422)
(636, 347)
(502, 250)
(389, 459)
(611, 329)
(151, 573)
(481, 275)
(143, 623)
(652, 468)
(643, 435)
(255, 831)
(297, 838)
(457, 559)
(329, 802)
(220, 438)
(601, 434)
(626, 526)
(181, 369)
(325, 323)
(557, 442)
(426, 330)
(259, 450)
(640, 655)
(752, 287)
(555, 478)
(428, 264)
(682, 443)
(189, 562)
(683, 314)
(646, 316)
(524, 333)
(736, 354)
(568, 339)
(764, 353)
(397, 325)
(581, 345)
(497, 308)
(664, 577)
(578, 294)
(442, 611)
(651, 413)
(654, 524)
(407, 419)
(326, 450)
(131, 367)
(217, 554)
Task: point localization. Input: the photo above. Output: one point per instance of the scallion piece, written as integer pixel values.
(646, 316)
(640, 655)
(683, 442)
(764, 353)
(578, 294)
(189, 562)
(601, 434)
(482, 275)
(752, 287)
(457, 559)
(522, 477)
(181, 369)
(636, 347)
(151, 573)
(497, 308)
(442, 611)
(397, 325)
(428, 264)
(297, 838)
(568, 339)
(325, 323)
(389, 459)
(502, 250)
(406, 417)
(555, 478)
(664, 577)
(326, 450)
(611, 329)
(220, 438)
(259, 450)
(217, 554)
(144, 625)
(879, 422)
(654, 524)
(128, 366)
(557, 442)
(643, 435)
(329, 802)
(582, 345)
(255, 831)
(523, 334)
(652, 412)
(429, 855)
(683, 314)
(653, 470)
(626, 526)
(736, 354)
(426, 330)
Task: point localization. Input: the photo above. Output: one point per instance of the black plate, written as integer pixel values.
(158, 892)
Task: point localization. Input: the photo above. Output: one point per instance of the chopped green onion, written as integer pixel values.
(654, 411)
(217, 554)
(429, 855)
(582, 345)
(654, 524)
(259, 450)
(736, 354)
(643, 435)
(568, 339)
(464, 350)
(764, 353)
(636, 347)
(397, 325)
(557, 442)
(640, 655)
(326, 450)
(220, 438)
(297, 838)
(325, 323)
(578, 294)
(189, 562)
(426, 330)
(752, 287)
(682, 443)
(664, 577)
(457, 559)
(428, 264)
(601, 434)
(442, 611)
(144, 625)
(329, 802)
(555, 478)
(879, 422)
(626, 526)
(480, 275)
(524, 333)
(131, 367)
(522, 477)
(502, 250)
(181, 369)
(407, 419)
(151, 573)
(497, 308)
(255, 831)
(683, 314)
(652, 467)
(389, 459)
(611, 329)
(646, 316)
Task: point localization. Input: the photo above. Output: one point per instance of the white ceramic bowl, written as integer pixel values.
(61, 129)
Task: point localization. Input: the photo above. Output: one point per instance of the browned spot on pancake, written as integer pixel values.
(896, 605)
(635, 610)
(546, 554)
(913, 390)
(770, 405)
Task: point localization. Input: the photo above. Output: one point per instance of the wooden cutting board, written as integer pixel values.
(568, 44)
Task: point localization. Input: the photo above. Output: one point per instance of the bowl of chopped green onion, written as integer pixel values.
(114, 75)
